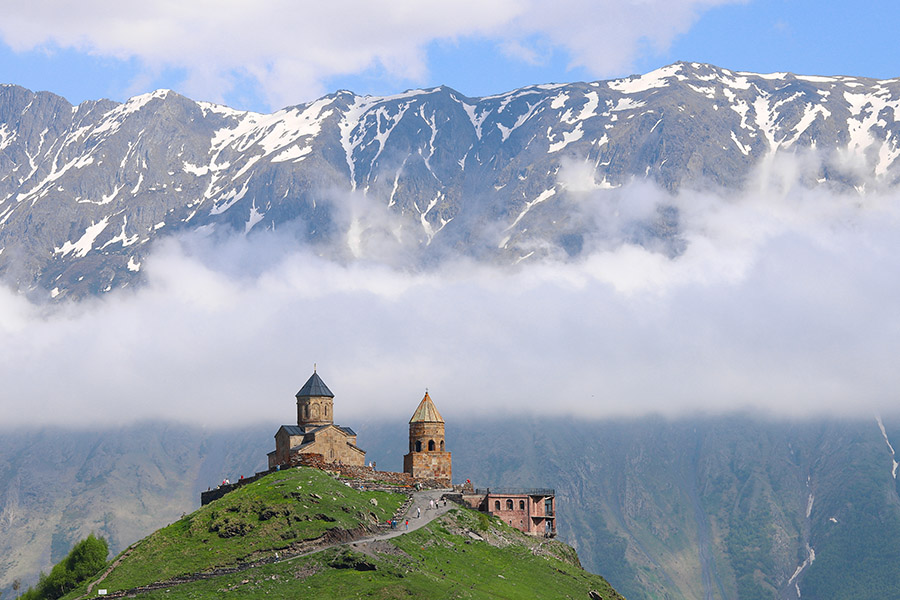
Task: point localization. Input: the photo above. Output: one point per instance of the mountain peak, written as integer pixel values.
(441, 164)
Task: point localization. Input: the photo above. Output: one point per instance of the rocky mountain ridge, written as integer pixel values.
(85, 190)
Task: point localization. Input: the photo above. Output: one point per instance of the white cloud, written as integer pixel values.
(291, 49)
(784, 300)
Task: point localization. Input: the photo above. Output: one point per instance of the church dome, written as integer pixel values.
(314, 387)
(426, 412)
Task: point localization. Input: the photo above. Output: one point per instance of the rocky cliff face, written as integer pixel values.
(85, 190)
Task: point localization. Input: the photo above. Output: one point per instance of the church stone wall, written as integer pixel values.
(283, 444)
(315, 411)
(333, 445)
(423, 433)
(429, 465)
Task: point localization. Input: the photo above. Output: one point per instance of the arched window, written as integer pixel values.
(418, 445)
(509, 504)
(496, 505)
(431, 445)
(442, 445)
(521, 505)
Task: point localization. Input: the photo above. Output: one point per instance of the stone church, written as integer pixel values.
(316, 434)
(315, 431)
(316, 441)
(427, 458)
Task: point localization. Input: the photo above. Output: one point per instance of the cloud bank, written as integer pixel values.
(784, 300)
(289, 50)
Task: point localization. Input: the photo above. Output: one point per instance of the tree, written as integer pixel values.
(86, 559)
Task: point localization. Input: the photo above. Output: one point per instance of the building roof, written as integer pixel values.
(427, 412)
(517, 492)
(303, 445)
(293, 430)
(314, 386)
(310, 437)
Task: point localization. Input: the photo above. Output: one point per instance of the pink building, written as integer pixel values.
(530, 510)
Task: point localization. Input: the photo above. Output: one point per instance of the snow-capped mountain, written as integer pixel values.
(85, 190)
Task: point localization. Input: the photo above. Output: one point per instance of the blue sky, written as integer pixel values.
(265, 55)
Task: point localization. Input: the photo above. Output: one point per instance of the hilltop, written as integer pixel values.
(303, 529)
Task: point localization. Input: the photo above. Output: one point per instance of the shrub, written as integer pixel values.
(85, 560)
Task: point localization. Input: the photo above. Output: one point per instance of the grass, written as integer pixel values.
(441, 560)
(277, 512)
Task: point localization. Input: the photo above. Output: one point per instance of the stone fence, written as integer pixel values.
(361, 477)
(222, 489)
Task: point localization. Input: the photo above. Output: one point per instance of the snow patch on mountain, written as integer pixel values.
(649, 81)
(6, 136)
(85, 243)
(528, 206)
(894, 462)
(567, 138)
(122, 237)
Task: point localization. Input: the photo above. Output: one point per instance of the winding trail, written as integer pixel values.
(420, 501)
(108, 570)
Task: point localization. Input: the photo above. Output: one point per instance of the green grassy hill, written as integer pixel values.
(228, 549)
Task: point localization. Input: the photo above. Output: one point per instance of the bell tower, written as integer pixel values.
(428, 457)
(315, 403)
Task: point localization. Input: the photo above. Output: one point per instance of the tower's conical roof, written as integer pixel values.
(427, 412)
(314, 387)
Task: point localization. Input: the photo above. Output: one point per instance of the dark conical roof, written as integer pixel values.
(314, 386)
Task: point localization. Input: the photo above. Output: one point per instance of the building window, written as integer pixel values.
(497, 505)
(509, 504)
(418, 445)
(431, 445)
(521, 505)
(442, 445)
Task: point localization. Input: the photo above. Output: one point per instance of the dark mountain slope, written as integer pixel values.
(730, 507)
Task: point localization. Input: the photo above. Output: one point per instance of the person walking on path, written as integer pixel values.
(418, 512)
(407, 524)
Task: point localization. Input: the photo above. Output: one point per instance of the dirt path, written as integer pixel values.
(107, 571)
(423, 509)
(419, 514)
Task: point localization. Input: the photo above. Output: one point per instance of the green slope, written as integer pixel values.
(223, 549)
(284, 511)
(438, 561)
(58, 485)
